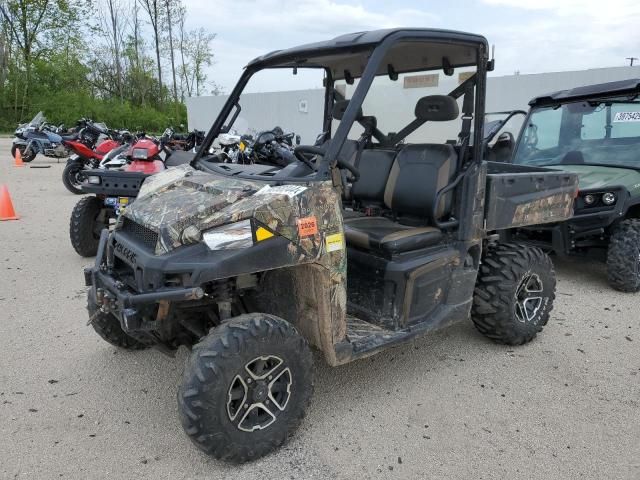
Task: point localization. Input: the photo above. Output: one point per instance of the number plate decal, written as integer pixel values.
(307, 226)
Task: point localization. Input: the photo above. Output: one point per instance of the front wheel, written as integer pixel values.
(514, 293)
(108, 327)
(25, 157)
(73, 176)
(88, 218)
(623, 256)
(246, 387)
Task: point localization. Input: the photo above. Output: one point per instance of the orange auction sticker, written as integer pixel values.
(307, 226)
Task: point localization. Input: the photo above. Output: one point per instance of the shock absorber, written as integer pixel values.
(222, 293)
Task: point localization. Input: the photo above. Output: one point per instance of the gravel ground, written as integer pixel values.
(449, 405)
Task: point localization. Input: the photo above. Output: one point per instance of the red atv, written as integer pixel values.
(88, 151)
(114, 190)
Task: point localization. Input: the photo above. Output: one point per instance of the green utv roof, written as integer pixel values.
(345, 52)
(609, 89)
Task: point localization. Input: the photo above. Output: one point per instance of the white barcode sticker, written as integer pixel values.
(288, 190)
(627, 117)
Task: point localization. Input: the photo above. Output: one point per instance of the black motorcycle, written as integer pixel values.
(271, 147)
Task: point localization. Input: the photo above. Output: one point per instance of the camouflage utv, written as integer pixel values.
(364, 242)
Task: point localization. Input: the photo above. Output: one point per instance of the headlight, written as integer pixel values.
(609, 198)
(589, 199)
(93, 179)
(232, 236)
(140, 153)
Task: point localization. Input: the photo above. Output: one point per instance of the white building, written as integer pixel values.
(301, 110)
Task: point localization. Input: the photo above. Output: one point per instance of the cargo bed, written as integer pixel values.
(519, 195)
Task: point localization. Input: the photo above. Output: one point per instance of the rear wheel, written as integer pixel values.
(88, 218)
(623, 256)
(246, 387)
(73, 176)
(514, 293)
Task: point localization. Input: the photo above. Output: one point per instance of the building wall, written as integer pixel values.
(301, 111)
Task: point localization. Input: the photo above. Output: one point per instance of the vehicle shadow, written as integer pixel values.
(581, 271)
(137, 377)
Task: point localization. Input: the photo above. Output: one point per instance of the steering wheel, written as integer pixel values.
(301, 150)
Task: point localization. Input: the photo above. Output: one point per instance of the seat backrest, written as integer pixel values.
(418, 173)
(374, 167)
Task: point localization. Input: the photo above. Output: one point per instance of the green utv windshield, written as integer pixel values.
(602, 132)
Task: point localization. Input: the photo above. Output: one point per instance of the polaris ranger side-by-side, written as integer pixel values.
(594, 132)
(367, 240)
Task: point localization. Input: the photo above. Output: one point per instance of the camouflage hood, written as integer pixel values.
(183, 197)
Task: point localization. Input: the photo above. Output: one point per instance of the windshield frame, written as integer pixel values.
(535, 108)
(375, 59)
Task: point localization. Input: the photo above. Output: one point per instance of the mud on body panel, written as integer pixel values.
(309, 215)
(544, 210)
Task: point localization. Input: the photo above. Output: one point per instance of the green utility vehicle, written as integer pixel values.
(366, 240)
(593, 131)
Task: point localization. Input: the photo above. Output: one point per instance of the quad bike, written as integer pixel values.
(371, 249)
(93, 142)
(594, 132)
(114, 189)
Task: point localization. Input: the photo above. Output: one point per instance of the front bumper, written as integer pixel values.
(128, 279)
(110, 295)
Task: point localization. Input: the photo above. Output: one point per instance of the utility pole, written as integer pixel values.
(631, 59)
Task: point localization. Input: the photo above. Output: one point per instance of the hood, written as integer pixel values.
(599, 178)
(182, 197)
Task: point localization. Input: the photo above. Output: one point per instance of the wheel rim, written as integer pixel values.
(77, 177)
(529, 298)
(259, 394)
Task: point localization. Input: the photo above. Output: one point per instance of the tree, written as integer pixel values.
(31, 23)
(196, 55)
(113, 29)
(152, 7)
(109, 69)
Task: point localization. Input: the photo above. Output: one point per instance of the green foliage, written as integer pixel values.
(52, 59)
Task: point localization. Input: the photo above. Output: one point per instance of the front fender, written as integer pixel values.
(74, 159)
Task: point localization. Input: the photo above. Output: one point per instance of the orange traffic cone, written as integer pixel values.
(19, 162)
(6, 207)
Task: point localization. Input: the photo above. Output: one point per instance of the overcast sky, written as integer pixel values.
(530, 36)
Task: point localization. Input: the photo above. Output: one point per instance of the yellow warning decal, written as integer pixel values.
(334, 242)
(262, 234)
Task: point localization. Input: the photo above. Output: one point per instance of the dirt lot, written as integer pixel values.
(450, 405)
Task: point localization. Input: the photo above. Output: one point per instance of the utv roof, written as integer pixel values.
(344, 53)
(609, 89)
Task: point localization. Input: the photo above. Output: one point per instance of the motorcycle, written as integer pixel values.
(40, 137)
(93, 143)
(187, 142)
(114, 189)
(271, 147)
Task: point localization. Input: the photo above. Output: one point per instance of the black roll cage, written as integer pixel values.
(377, 55)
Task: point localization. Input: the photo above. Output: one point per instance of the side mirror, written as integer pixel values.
(504, 137)
(298, 139)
